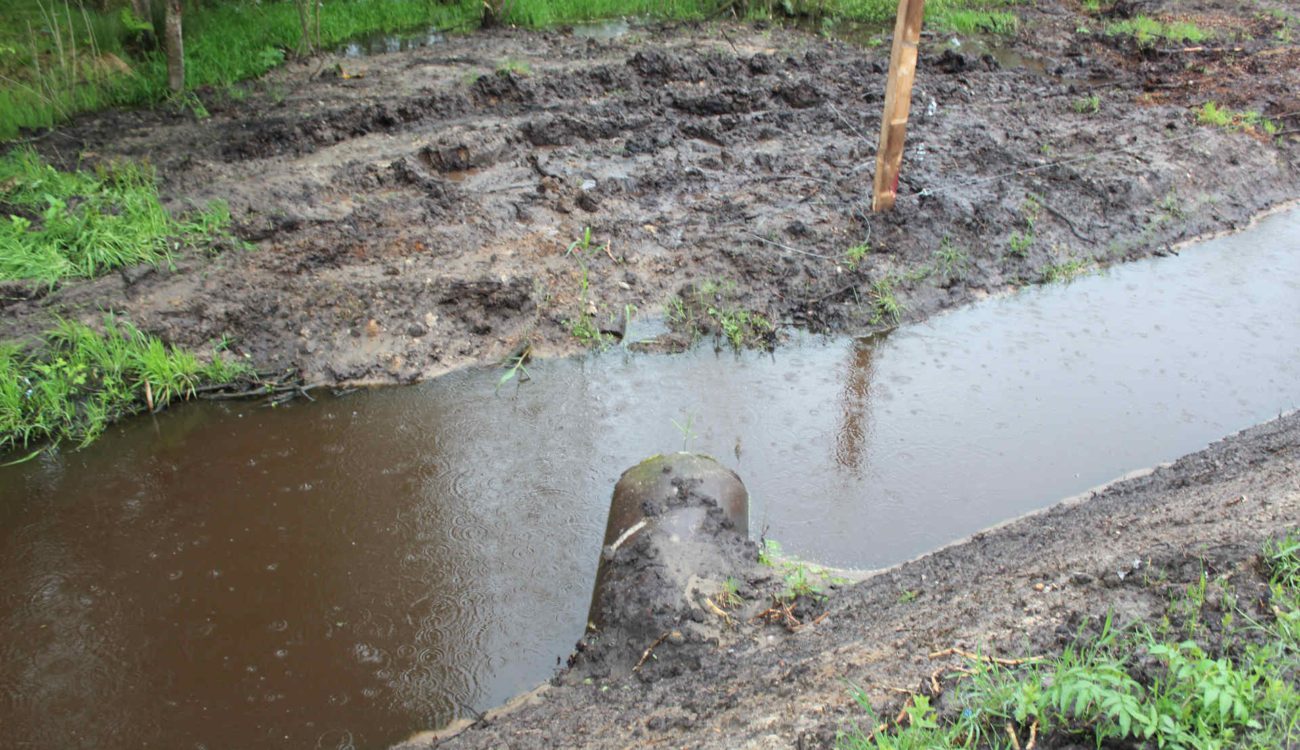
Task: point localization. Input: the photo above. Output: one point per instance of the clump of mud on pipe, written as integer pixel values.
(677, 531)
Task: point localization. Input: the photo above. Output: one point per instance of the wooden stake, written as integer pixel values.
(898, 100)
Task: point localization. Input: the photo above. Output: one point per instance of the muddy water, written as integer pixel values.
(343, 572)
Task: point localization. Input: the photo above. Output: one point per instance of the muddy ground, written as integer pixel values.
(1024, 589)
(411, 213)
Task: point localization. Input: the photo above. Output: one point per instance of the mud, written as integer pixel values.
(412, 211)
(1027, 587)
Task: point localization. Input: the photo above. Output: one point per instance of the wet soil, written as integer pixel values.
(412, 211)
(1025, 588)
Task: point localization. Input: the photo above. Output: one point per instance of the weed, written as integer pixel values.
(1018, 243)
(510, 66)
(907, 596)
(687, 431)
(514, 367)
(1283, 559)
(854, 255)
(885, 305)
(1066, 271)
(81, 380)
(729, 597)
(1088, 105)
(801, 579)
(1091, 693)
(950, 260)
(583, 327)
(82, 224)
(1147, 31)
(1246, 121)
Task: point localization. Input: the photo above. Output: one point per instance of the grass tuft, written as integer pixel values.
(82, 379)
(57, 225)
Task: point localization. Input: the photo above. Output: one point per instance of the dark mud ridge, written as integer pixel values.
(412, 212)
(739, 678)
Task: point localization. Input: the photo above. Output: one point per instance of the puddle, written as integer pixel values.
(603, 31)
(345, 572)
(381, 43)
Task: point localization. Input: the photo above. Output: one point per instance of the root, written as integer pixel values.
(650, 650)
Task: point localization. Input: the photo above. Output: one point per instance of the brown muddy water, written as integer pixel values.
(345, 572)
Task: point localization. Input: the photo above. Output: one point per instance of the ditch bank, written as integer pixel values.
(1029, 587)
(416, 212)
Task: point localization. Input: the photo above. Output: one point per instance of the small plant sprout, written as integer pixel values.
(887, 308)
(688, 434)
(514, 367)
(729, 596)
(854, 255)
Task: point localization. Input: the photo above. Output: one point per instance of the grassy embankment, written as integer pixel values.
(59, 57)
(62, 225)
(1185, 682)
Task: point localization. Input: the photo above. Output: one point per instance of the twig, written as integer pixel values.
(935, 687)
(1011, 732)
(1033, 735)
(719, 611)
(1066, 219)
(649, 649)
(978, 657)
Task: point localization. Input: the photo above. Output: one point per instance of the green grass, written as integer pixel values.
(1147, 31)
(1126, 688)
(884, 302)
(57, 225)
(953, 16)
(81, 380)
(854, 255)
(1088, 105)
(1211, 113)
(800, 579)
(1065, 271)
(42, 84)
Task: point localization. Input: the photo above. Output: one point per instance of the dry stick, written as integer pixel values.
(719, 611)
(649, 649)
(1011, 732)
(1065, 219)
(1033, 735)
(977, 657)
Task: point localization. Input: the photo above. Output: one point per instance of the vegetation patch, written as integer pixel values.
(1147, 31)
(1249, 121)
(81, 380)
(714, 307)
(1188, 687)
(56, 225)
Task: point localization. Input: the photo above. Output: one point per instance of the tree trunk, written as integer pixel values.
(142, 10)
(175, 48)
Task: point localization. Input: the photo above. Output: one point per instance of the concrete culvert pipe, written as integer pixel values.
(678, 527)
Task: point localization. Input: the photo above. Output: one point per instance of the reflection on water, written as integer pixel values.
(348, 571)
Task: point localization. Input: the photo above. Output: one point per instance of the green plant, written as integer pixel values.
(1282, 556)
(687, 431)
(729, 596)
(82, 224)
(583, 327)
(1088, 105)
(1211, 114)
(884, 303)
(514, 367)
(510, 66)
(854, 255)
(1065, 271)
(1147, 31)
(81, 379)
(950, 260)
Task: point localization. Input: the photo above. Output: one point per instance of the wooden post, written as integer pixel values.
(898, 100)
